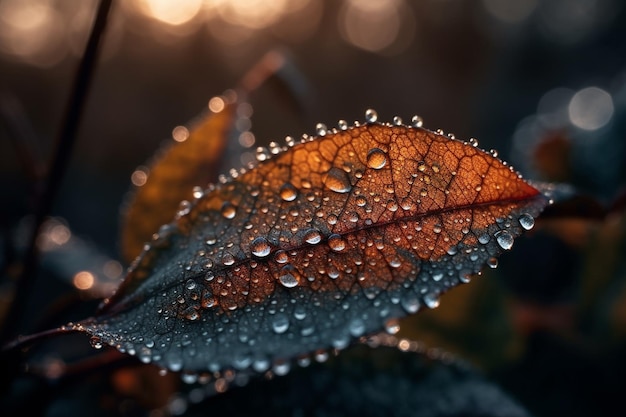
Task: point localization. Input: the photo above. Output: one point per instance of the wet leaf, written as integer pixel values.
(191, 159)
(323, 242)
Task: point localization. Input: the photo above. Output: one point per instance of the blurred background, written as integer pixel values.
(541, 81)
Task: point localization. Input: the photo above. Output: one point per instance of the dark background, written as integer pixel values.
(548, 325)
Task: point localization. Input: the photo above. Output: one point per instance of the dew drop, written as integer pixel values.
(493, 153)
(492, 263)
(484, 238)
(473, 142)
(376, 158)
(343, 125)
(361, 201)
(417, 121)
(95, 342)
(312, 237)
(336, 242)
(260, 247)
(281, 257)
(287, 277)
(397, 120)
(356, 327)
(228, 259)
(410, 303)
(392, 326)
(280, 323)
(321, 129)
(288, 192)
(281, 368)
(526, 221)
(371, 116)
(228, 210)
(431, 300)
(505, 240)
(337, 180)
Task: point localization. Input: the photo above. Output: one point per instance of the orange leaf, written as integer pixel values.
(323, 242)
(192, 159)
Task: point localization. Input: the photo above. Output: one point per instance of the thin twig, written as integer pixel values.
(57, 169)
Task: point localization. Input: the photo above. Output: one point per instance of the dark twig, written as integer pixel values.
(58, 167)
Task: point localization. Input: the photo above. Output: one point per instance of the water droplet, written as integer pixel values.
(261, 365)
(260, 247)
(417, 121)
(492, 263)
(95, 342)
(336, 243)
(473, 142)
(526, 221)
(392, 326)
(280, 323)
(281, 368)
(337, 180)
(321, 129)
(431, 300)
(287, 276)
(493, 153)
(228, 259)
(288, 192)
(395, 263)
(356, 327)
(361, 201)
(505, 240)
(281, 257)
(312, 237)
(371, 116)
(397, 120)
(410, 303)
(228, 210)
(484, 238)
(343, 125)
(376, 158)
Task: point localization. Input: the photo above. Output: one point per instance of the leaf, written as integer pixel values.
(188, 161)
(396, 382)
(323, 242)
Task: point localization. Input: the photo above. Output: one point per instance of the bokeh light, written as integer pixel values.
(591, 108)
(371, 25)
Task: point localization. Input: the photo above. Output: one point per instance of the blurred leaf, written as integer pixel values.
(191, 160)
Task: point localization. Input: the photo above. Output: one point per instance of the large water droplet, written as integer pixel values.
(336, 243)
(376, 158)
(526, 221)
(337, 180)
(260, 247)
(505, 240)
(288, 192)
(288, 276)
(228, 259)
(343, 125)
(371, 116)
(312, 237)
(417, 121)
